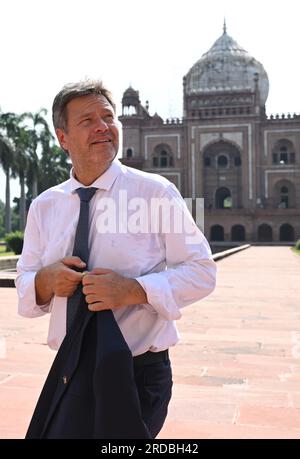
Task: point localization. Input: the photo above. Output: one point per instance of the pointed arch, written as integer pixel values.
(163, 156)
(217, 233)
(287, 233)
(223, 199)
(238, 233)
(264, 233)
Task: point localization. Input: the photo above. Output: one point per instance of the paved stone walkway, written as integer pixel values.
(236, 370)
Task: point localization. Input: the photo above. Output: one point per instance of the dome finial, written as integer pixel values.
(224, 26)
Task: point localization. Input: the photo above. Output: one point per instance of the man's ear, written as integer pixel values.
(61, 136)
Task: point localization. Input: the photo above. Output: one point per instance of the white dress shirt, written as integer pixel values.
(173, 271)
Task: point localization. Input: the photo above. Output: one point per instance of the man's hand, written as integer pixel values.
(105, 289)
(58, 279)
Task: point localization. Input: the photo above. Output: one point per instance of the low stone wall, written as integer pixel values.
(8, 262)
(227, 253)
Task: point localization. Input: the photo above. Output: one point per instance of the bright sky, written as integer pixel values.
(148, 44)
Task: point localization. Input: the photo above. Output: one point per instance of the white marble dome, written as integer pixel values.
(227, 67)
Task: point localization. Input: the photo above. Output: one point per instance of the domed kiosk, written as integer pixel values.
(226, 69)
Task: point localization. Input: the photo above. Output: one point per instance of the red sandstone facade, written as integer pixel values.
(226, 149)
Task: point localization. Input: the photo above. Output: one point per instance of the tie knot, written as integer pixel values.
(86, 194)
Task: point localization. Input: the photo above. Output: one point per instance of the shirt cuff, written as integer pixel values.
(27, 306)
(159, 295)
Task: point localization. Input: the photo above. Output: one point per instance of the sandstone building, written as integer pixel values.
(225, 148)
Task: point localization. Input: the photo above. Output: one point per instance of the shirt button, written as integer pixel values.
(65, 379)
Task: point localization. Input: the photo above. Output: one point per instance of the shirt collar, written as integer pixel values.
(104, 182)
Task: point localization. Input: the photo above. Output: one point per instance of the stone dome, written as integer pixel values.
(130, 92)
(227, 67)
(131, 97)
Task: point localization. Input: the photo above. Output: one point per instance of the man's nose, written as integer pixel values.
(101, 125)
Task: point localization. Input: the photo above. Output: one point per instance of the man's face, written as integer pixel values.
(92, 137)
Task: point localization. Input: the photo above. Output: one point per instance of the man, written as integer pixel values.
(143, 271)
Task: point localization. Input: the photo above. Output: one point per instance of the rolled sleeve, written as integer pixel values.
(159, 295)
(28, 265)
(27, 306)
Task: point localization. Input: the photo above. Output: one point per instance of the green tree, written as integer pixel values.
(27, 150)
(2, 211)
(38, 135)
(54, 167)
(18, 137)
(7, 159)
(22, 168)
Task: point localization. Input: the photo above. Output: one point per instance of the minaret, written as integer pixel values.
(133, 116)
(130, 103)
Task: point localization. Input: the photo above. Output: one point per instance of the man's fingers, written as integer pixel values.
(91, 298)
(73, 276)
(100, 306)
(88, 289)
(73, 261)
(90, 279)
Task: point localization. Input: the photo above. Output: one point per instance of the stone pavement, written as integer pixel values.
(237, 367)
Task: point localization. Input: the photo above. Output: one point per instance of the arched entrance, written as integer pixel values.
(238, 233)
(265, 233)
(284, 194)
(217, 233)
(286, 233)
(223, 198)
(221, 161)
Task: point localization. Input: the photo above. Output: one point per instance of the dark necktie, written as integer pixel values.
(81, 248)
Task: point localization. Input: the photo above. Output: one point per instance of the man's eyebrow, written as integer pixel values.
(90, 113)
(84, 114)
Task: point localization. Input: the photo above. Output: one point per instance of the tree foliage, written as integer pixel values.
(28, 151)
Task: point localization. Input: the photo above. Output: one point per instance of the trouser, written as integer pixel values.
(154, 385)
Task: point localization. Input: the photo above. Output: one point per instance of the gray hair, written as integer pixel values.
(72, 91)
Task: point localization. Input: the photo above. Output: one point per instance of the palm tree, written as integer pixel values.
(19, 148)
(54, 167)
(7, 161)
(9, 132)
(22, 168)
(36, 136)
(10, 123)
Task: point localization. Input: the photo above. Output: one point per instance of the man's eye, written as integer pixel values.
(86, 120)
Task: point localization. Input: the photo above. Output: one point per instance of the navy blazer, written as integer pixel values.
(90, 391)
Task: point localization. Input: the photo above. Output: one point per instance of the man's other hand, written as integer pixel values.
(105, 289)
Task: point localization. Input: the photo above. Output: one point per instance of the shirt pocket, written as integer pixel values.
(59, 245)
